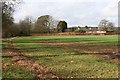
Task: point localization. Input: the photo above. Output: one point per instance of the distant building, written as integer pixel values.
(93, 30)
(89, 30)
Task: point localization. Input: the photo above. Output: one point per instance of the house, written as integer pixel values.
(93, 30)
(88, 30)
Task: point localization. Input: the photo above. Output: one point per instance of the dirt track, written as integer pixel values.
(21, 60)
(42, 72)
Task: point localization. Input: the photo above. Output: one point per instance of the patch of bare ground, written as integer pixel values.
(105, 51)
(21, 60)
(47, 42)
(84, 46)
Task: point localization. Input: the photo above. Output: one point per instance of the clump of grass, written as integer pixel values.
(80, 66)
(15, 72)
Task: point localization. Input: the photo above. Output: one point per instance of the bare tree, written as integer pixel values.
(8, 8)
(110, 26)
(44, 24)
(105, 25)
(25, 26)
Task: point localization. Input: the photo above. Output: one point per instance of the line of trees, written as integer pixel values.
(44, 24)
(47, 24)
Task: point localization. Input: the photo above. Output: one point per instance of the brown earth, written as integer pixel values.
(84, 46)
(105, 51)
(21, 60)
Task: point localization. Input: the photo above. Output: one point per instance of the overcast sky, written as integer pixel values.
(74, 12)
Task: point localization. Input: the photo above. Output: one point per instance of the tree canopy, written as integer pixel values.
(25, 26)
(105, 25)
(44, 24)
(62, 26)
(8, 9)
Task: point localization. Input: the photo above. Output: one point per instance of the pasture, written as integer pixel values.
(66, 56)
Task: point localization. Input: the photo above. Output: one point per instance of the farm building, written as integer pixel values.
(93, 30)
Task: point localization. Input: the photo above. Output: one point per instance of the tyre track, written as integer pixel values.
(21, 60)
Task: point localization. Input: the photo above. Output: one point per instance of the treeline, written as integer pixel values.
(43, 24)
(47, 24)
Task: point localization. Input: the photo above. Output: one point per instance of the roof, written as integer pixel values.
(90, 28)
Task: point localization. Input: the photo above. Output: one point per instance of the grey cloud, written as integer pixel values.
(75, 13)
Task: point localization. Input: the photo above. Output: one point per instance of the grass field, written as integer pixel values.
(65, 56)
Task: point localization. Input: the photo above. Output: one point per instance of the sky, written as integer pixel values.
(74, 12)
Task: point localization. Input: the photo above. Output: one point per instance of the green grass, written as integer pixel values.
(95, 39)
(15, 71)
(62, 60)
(80, 66)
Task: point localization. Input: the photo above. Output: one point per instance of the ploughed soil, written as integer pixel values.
(106, 51)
